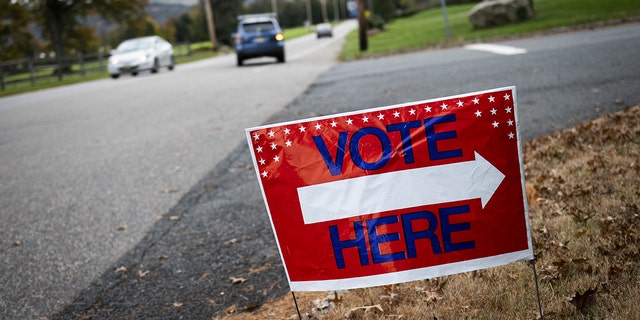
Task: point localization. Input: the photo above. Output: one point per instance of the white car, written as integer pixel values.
(140, 54)
(324, 30)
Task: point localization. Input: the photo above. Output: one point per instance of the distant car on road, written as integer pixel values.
(324, 30)
(140, 54)
(259, 36)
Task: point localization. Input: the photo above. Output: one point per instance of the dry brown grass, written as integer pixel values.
(584, 190)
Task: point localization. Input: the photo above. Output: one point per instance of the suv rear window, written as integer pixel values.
(258, 27)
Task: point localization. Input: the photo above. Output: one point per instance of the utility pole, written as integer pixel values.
(210, 24)
(362, 26)
(336, 12)
(309, 18)
(274, 7)
(443, 4)
(324, 10)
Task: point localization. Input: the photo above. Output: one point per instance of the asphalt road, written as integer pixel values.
(87, 170)
(63, 200)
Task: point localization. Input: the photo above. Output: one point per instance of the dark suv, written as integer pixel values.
(259, 36)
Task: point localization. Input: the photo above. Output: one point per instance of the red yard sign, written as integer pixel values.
(396, 194)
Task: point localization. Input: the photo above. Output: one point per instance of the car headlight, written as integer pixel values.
(113, 60)
(143, 58)
(279, 36)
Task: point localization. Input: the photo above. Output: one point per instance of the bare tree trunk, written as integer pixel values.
(57, 38)
(362, 26)
(309, 17)
(211, 24)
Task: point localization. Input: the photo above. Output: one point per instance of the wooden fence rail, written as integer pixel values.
(33, 69)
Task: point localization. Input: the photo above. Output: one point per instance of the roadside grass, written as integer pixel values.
(427, 28)
(583, 187)
(51, 82)
(292, 33)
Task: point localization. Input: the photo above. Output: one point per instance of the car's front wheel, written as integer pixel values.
(173, 63)
(115, 76)
(239, 61)
(155, 67)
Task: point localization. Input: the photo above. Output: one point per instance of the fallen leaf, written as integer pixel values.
(252, 306)
(121, 269)
(582, 301)
(335, 297)
(171, 190)
(174, 218)
(435, 295)
(232, 241)
(163, 257)
(532, 195)
(121, 227)
(550, 272)
(389, 297)
(16, 243)
(142, 274)
(264, 267)
(614, 271)
(235, 280)
(232, 309)
(366, 310)
(178, 304)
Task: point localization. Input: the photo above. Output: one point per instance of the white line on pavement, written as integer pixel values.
(495, 48)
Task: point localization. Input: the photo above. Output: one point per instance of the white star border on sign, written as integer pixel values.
(494, 110)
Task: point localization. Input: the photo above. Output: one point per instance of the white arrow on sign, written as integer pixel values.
(400, 189)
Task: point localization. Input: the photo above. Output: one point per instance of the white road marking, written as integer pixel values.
(496, 48)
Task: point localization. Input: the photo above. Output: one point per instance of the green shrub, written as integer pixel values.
(375, 21)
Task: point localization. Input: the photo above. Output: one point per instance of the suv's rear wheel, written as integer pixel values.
(239, 60)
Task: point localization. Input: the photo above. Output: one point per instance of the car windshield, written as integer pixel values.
(136, 44)
(258, 27)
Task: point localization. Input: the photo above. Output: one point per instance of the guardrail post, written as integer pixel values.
(81, 64)
(60, 66)
(101, 59)
(2, 77)
(32, 78)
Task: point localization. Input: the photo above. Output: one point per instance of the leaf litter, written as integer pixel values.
(583, 190)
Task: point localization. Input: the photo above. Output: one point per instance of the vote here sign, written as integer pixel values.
(397, 193)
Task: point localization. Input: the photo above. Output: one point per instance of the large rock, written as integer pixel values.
(490, 13)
